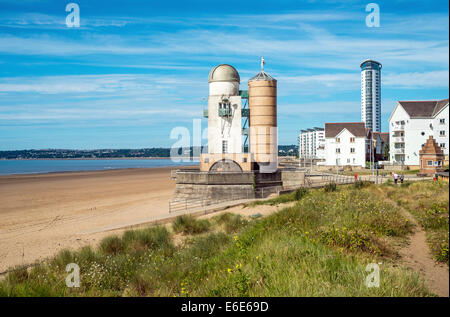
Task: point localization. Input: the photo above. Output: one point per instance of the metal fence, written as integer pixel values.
(200, 202)
(310, 181)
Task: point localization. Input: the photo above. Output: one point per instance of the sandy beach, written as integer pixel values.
(42, 214)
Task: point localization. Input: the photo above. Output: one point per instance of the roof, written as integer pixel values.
(262, 75)
(369, 60)
(358, 129)
(223, 72)
(423, 109)
(431, 147)
(383, 135)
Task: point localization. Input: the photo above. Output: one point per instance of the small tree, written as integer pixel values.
(386, 151)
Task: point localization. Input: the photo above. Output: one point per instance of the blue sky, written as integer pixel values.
(136, 69)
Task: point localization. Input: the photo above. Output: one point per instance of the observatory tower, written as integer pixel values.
(225, 129)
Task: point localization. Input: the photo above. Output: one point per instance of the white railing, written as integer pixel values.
(399, 151)
(398, 139)
(398, 127)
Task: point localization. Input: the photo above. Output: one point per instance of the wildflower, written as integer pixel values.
(257, 257)
(235, 238)
(229, 270)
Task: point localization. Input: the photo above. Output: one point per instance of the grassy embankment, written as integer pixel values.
(318, 247)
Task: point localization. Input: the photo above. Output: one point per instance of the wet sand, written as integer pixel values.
(41, 214)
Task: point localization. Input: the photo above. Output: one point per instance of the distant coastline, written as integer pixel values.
(55, 165)
(94, 158)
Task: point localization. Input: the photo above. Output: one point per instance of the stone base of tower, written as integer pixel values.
(223, 186)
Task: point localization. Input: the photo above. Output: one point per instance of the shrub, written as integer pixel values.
(300, 193)
(330, 187)
(235, 224)
(111, 245)
(361, 184)
(189, 225)
(442, 255)
(141, 284)
(223, 218)
(351, 240)
(202, 247)
(18, 275)
(149, 238)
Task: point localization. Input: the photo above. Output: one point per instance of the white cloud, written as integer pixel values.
(432, 79)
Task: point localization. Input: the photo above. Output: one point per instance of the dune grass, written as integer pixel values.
(189, 225)
(320, 246)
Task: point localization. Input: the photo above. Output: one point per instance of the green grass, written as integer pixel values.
(428, 202)
(282, 199)
(230, 223)
(189, 225)
(320, 246)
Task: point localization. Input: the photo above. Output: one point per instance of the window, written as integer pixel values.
(352, 150)
(338, 140)
(224, 146)
(442, 133)
(442, 121)
(422, 133)
(430, 163)
(442, 145)
(354, 160)
(338, 150)
(352, 140)
(348, 160)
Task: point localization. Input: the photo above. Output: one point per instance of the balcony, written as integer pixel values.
(398, 139)
(399, 151)
(398, 127)
(225, 112)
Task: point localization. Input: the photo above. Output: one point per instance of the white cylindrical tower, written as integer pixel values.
(224, 111)
(371, 94)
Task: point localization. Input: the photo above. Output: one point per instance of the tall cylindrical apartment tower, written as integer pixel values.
(371, 94)
(263, 121)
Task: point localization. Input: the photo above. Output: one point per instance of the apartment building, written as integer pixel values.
(312, 143)
(410, 125)
(371, 94)
(346, 144)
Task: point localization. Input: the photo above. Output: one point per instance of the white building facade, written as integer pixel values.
(410, 125)
(312, 143)
(345, 144)
(371, 95)
(224, 111)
